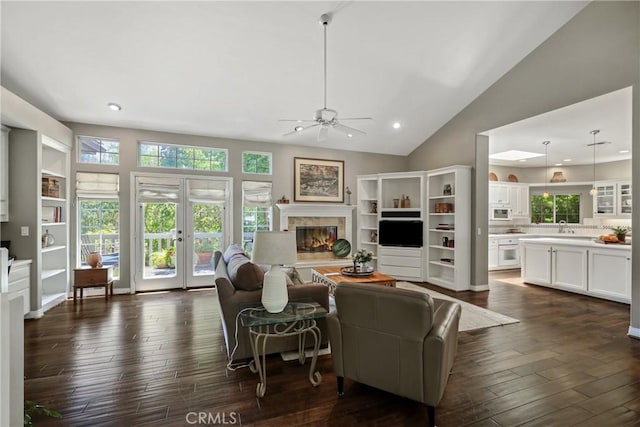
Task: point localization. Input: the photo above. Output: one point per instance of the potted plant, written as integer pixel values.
(204, 250)
(362, 257)
(620, 232)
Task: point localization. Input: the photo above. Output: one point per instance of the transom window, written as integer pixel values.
(104, 151)
(256, 162)
(151, 154)
(555, 208)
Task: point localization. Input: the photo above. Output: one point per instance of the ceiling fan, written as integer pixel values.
(326, 118)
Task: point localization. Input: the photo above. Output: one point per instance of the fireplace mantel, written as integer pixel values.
(313, 210)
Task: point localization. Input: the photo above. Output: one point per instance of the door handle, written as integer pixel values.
(179, 239)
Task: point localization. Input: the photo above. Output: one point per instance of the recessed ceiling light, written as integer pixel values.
(396, 125)
(298, 128)
(623, 151)
(350, 135)
(566, 160)
(514, 155)
(114, 106)
(558, 164)
(522, 160)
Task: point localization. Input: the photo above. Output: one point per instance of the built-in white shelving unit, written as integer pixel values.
(449, 227)
(39, 161)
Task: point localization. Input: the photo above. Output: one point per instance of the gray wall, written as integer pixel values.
(595, 53)
(356, 163)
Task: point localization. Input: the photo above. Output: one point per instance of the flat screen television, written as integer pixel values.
(400, 233)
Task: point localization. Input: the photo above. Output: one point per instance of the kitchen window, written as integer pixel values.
(555, 208)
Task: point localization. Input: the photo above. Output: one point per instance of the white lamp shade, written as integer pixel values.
(274, 247)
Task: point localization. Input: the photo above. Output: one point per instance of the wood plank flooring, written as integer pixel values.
(158, 359)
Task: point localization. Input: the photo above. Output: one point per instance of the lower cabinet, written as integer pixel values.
(494, 254)
(402, 263)
(20, 283)
(610, 274)
(603, 273)
(569, 268)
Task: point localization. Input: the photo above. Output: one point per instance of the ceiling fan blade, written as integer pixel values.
(296, 120)
(324, 133)
(356, 118)
(302, 130)
(348, 130)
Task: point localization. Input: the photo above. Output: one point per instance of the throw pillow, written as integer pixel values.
(232, 250)
(244, 274)
(293, 275)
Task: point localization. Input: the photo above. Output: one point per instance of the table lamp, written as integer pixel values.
(274, 248)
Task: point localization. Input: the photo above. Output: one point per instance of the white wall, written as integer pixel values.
(619, 170)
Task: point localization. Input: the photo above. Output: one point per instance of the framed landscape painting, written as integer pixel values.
(318, 180)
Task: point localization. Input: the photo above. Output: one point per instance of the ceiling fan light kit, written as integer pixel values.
(325, 117)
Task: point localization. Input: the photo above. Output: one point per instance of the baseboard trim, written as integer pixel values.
(634, 332)
(479, 288)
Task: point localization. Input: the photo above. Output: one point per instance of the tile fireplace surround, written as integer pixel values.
(318, 214)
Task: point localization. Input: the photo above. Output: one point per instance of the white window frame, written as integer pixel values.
(101, 138)
(265, 153)
(196, 147)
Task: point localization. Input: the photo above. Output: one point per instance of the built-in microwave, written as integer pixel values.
(500, 213)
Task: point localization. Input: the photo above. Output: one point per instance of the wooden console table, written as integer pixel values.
(93, 278)
(331, 276)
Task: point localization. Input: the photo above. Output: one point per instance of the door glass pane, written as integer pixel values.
(159, 234)
(207, 232)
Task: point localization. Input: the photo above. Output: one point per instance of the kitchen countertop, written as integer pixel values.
(531, 235)
(575, 242)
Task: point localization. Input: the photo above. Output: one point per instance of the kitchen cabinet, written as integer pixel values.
(569, 268)
(580, 266)
(613, 200)
(4, 175)
(493, 253)
(499, 193)
(610, 274)
(519, 199)
(20, 283)
(562, 267)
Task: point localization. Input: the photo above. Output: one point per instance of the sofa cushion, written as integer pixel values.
(244, 274)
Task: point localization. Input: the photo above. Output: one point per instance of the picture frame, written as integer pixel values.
(318, 180)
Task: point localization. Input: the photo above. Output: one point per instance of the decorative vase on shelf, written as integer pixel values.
(94, 259)
(47, 239)
(558, 177)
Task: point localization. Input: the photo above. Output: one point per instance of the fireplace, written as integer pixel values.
(317, 227)
(316, 238)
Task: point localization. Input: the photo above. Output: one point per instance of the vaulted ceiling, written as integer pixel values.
(233, 69)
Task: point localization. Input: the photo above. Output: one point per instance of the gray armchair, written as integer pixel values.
(397, 340)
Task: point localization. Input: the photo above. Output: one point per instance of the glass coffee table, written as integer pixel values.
(297, 319)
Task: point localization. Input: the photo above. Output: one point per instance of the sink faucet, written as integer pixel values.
(562, 225)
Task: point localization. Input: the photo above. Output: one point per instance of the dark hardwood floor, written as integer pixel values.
(158, 359)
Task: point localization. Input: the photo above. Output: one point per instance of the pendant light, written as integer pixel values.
(594, 190)
(546, 169)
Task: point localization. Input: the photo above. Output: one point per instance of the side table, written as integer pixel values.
(297, 319)
(93, 278)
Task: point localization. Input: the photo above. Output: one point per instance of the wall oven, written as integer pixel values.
(499, 213)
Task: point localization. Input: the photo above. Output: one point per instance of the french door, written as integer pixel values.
(180, 222)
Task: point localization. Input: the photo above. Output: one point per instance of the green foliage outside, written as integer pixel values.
(180, 157)
(254, 219)
(256, 163)
(553, 209)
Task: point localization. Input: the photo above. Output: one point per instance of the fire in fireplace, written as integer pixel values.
(316, 238)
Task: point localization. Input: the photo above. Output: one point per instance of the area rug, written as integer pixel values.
(473, 317)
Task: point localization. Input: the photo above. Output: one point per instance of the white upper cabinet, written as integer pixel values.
(499, 193)
(612, 200)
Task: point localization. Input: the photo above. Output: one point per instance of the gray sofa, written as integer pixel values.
(232, 300)
(397, 340)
